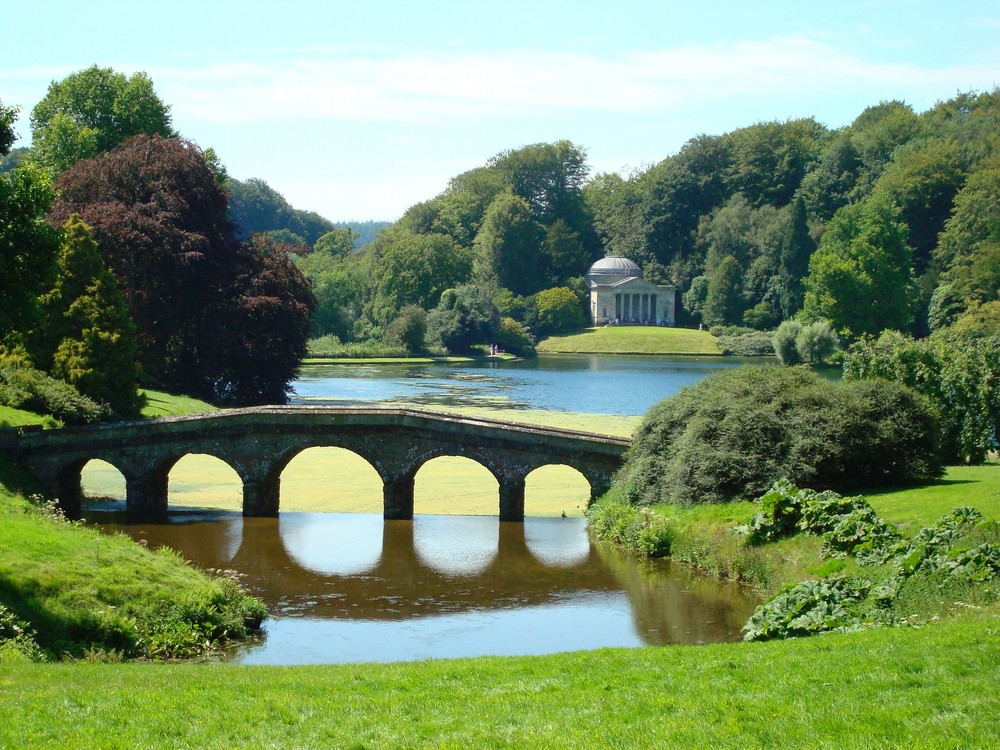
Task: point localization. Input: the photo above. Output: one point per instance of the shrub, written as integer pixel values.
(747, 344)
(961, 377)
(515, 338)
(638, 530)
(816, 342)
(32, 390)
(784, 342)
(731, 435)
(808, 607)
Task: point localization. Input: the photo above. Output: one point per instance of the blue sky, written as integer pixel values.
(358, 110)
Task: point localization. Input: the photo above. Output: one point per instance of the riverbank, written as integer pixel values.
(414, 360)
(83, 594)
(633, 340)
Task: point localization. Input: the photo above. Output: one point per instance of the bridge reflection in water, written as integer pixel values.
(352, 587)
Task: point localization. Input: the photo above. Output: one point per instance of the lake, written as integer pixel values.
(570, 383)
(350, 587)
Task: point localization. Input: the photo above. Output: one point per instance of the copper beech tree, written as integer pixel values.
(215, 318)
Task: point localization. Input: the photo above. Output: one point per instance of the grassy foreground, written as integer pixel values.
(894, 688)
(632, 340)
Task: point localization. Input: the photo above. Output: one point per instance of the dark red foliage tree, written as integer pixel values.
(161, 221)
(269, 311)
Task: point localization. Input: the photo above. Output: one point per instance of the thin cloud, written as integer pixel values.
(443, 87)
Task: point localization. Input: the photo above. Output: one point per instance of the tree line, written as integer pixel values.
(122, 266)
(889, 223)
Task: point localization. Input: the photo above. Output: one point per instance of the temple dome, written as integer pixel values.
(614, 265)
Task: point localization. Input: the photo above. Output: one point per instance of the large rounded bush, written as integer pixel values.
(734, 433)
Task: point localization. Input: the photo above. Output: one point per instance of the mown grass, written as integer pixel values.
(632, 340)
(915, 507)
(11, 417)
(894, 688)
(161, 404)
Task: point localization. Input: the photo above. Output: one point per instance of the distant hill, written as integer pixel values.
(366, 230)
(255, 206)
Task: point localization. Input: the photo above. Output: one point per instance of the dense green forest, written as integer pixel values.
(889, 223)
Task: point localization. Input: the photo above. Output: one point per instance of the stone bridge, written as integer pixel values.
(259, 442)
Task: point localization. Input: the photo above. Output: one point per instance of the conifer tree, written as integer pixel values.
(87, 337)
(724, 303)
(796, 247)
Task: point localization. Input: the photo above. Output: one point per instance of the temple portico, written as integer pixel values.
(620, 296)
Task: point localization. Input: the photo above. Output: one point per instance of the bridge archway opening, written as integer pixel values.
(328, 479)
(100, 481)
(556, 490)
(200, 480)
(455, 485)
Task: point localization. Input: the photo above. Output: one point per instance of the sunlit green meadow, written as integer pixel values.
(633, 340)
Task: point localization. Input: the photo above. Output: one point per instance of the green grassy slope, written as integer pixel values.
(632, 340)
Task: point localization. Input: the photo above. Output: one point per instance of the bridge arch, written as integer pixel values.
(556, 489)
(329, 477)
(443, 481)
(102, 479)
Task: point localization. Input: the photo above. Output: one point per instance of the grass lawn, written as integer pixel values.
(632, 340)
(160, 404)
(893, 688)
(11, 417)
(913, 508)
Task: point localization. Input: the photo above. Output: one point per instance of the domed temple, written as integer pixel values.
(620, 296)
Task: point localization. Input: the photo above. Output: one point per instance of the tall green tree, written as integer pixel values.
(7, 136)
(860, 277)
(724, 301)
(770, 159)
(508, 247)
(91, 112)
(797, 246)
(27, 248)
(86, 336)
(566, 256)
(465, 317)
(414, 269)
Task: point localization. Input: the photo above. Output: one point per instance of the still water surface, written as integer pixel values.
(576, 383)
(354, 588)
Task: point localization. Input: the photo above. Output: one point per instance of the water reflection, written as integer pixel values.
(352, 587)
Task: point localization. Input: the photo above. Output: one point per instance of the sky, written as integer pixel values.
(358, 110)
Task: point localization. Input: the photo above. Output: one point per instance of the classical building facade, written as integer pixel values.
(620, 296)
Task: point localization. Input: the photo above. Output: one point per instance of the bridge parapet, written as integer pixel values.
(259, 442)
